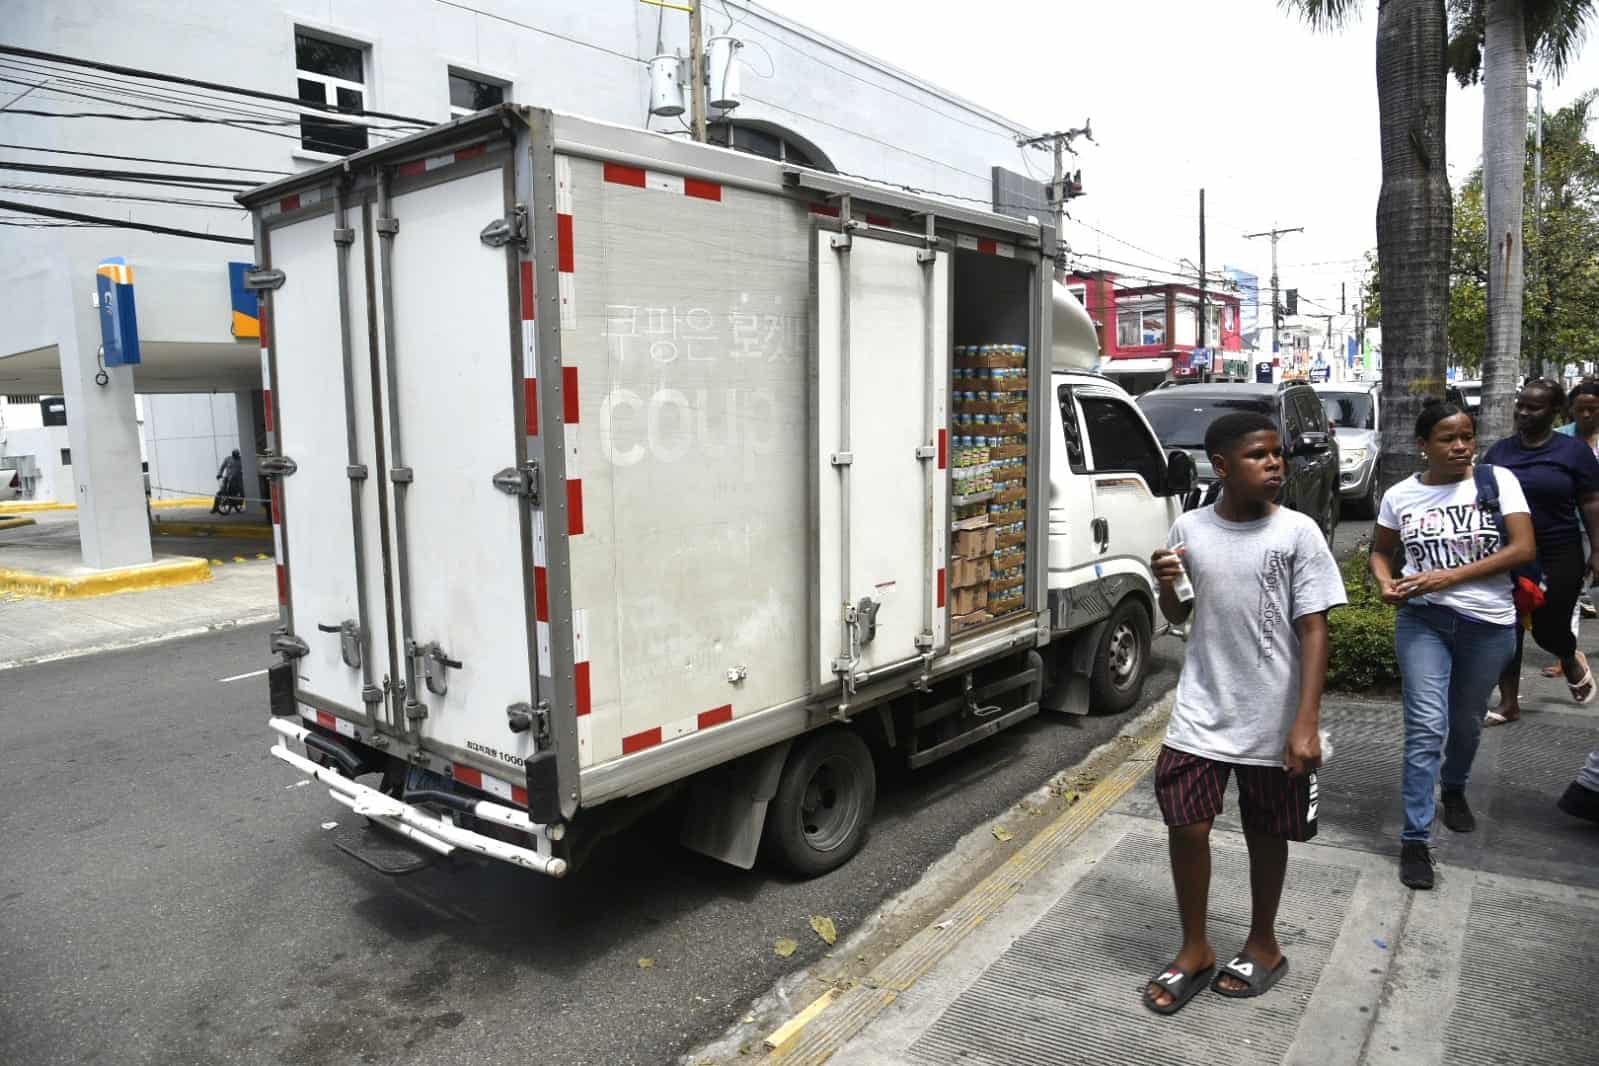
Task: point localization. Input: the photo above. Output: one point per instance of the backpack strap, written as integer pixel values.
(1488, 495)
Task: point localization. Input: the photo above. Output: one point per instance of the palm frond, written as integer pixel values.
(1324, 14)
(1556, 31)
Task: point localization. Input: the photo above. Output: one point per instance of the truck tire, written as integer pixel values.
(817, 820)
(1122, 659)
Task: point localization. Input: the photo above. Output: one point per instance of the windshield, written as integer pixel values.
(1181, 421)
(1350, 410)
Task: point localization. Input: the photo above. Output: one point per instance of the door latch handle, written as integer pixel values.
(436, 666)
(349, 632)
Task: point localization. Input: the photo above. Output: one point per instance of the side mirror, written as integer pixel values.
(1181, 474)
(1311, 443)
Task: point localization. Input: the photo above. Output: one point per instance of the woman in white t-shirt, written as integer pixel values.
(1456, 626)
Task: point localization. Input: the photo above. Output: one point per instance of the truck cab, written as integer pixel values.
(1113, 496)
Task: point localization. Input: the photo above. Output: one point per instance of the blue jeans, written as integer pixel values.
(1448, 665)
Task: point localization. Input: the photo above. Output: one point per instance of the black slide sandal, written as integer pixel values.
(1247, 969)
(1181, 984)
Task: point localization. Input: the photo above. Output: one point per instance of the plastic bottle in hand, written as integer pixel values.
(1181, 586)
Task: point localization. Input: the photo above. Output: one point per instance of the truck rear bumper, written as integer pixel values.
(423, 827)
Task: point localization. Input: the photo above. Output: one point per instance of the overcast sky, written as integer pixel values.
(1277, 123)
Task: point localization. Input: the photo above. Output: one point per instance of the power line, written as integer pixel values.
(308, 142)
(144, 176)
(151, 75)
(147, 227)
(97, 194)
(143, 159)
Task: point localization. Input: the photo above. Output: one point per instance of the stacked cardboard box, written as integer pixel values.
(989, 426)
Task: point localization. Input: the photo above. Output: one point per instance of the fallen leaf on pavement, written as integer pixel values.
(1002, 834)
(825, 929)
(784, 947)
(646, 964)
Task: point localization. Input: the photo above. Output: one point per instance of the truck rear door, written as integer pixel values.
(880, 451)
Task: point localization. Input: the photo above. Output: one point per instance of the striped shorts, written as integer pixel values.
(1189, 789)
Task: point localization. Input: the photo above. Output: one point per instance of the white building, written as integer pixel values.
(805, 96)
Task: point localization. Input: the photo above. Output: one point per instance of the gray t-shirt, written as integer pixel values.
(1239, 690)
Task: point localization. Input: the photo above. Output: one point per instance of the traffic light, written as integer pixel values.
(1290, 301)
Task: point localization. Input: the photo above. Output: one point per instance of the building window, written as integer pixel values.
(770, 141)
(66, 456)
(470, 93)
(1136, 329)
(1079, 291)
(333, 75)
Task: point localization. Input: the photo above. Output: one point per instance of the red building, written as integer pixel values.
(1154, 329)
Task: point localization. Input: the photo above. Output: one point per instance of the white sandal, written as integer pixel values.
(1587, 683)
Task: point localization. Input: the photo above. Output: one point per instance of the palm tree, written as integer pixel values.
(1414, 209)
(1492, 40)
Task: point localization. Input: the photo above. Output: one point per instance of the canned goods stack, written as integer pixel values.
(989, 426)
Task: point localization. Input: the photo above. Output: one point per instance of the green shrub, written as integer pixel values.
(1362, 634)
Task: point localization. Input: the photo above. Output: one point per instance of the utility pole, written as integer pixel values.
(1204, 309)
(696, 69)
(1537, 230)
(1059, 142)
(1276, 234)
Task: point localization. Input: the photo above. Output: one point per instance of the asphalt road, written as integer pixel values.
(168, 895)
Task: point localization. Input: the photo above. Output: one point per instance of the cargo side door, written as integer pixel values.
(880, 452)
(1073, 541)
(462, 519)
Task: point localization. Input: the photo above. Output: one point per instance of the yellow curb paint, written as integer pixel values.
(857, 1007)
(790, 1029)
(107, 583)
(212, 529)
(216, 562)
(21, 506)
(15, 521)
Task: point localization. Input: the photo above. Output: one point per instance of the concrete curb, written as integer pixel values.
(105, 583)
(142, 641)
(259, 531)
(15, 521)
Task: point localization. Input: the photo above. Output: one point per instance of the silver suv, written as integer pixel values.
(1354, 410)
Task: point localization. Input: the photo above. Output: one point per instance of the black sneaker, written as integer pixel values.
(1457, 812)
(1580, 802)
(1415, 866)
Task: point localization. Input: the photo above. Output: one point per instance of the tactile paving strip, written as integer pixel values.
(1067, 991)
(1525, 986)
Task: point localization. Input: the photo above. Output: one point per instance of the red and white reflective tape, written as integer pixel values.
(475, 778)
(985, 246)
(328, 721)
(580, 660)
(639, 178)
(434, 162)
(530, 351)
(574, 470)
(565, 253)
(294, 202)
(541, 594)
(681, 727)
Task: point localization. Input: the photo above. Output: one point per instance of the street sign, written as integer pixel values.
(1321, 373)
(119, 324)
(1200, 359)
(1263, 373)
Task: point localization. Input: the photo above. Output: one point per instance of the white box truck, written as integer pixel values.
(604, 463)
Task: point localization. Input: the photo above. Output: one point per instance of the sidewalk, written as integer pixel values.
(1044, 961)
(242, 589)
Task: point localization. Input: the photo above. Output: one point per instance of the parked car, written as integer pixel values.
(1354, 409)
(1181, 414)
(1470, 395)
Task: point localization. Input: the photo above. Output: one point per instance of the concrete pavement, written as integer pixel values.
(1047, 967)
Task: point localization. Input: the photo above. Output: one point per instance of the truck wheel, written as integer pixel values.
(817, 820)
(1122, 659)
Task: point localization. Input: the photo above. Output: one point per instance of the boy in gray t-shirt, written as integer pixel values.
(1249, 699)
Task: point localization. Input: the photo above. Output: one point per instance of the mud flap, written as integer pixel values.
(728, 807)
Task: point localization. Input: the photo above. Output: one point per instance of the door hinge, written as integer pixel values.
(523, 717)
(520, 481)
(842, 458)
(275, 465)
(288, 644)
(508, 230)
(926, 451)
(264, 279)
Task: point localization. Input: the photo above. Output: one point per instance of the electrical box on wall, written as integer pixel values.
(666, 86)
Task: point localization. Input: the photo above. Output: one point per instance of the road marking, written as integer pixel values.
(240, 677)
